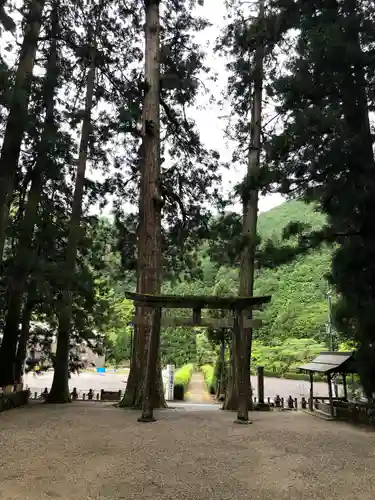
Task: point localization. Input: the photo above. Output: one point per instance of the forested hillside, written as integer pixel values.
(299, 304)
(298, 308)
(298, 288)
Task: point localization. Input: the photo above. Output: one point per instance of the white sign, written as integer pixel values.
(168, 382)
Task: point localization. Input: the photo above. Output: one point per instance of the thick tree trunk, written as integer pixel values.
(250, 219)
(23, 255)
(60, 386)
(149, 231)
(17, 118)
(133, 396)
(24, 337)
(231, 395)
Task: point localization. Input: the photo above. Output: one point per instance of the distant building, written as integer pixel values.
(38, 350)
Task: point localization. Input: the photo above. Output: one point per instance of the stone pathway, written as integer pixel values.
(197, 391)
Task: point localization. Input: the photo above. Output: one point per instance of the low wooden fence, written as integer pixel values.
(9, 400)
(288, 403)
(78, 395)
(353, 412)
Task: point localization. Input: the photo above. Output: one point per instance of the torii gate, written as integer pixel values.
(241, 309)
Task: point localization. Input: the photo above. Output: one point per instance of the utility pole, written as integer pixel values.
(330, 334)
(329, 324)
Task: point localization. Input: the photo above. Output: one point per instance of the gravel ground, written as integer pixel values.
(95, 451)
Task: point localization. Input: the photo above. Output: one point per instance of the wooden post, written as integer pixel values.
(197, 316)
(242, 371)
(329, 380)
(220, 389)
(260, 371)
(311, 400)
(150, 376)
(345, 386)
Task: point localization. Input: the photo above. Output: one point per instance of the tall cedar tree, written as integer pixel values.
(150, 201)
(325, 151)
(245, 92)
(23, 262)
(59, 392)
(250, 216)
(184, 180)
(17, 117)
(41, 272)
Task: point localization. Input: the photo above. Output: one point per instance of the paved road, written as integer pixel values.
(115, 382)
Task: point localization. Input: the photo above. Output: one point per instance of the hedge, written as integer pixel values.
(209, 378)
(181, 381)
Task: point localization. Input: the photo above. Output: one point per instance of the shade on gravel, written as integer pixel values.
(95, 451)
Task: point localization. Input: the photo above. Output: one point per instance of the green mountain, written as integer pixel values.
(299, 304)
(271, 223)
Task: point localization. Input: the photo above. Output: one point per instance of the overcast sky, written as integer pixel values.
(208, 119)
(207, 114)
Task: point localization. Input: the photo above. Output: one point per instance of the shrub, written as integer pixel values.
(181, 381)
(209, 377)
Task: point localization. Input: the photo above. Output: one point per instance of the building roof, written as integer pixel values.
(331, 362)
(197, 301)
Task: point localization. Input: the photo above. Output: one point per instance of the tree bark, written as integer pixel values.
(23, 254)
(59, 392)
(149, 230)
(231, 395)
(17, 118)
(24, 336)
(250, 214)
(5, 20)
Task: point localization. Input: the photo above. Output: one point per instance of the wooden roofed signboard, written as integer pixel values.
(196, 303)
(332, 362)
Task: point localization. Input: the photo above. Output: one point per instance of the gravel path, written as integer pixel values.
(93, 451)
(197, 391)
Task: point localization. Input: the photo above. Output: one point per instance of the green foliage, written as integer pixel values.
(178, 346)
(209, 378)
(286, 356)
(298, 307)
(205, 352)
(323, 150)
(182, 379)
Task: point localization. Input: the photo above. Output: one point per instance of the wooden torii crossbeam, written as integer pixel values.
(241, 311)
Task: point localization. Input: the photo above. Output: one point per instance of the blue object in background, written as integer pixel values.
(101, 370)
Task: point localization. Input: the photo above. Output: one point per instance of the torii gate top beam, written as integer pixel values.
(198, 302)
